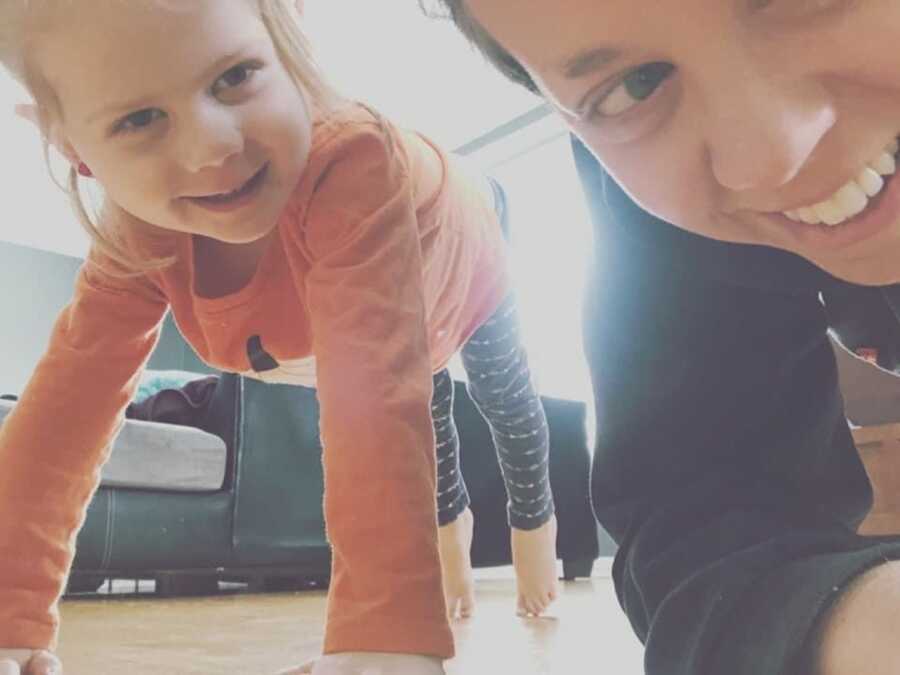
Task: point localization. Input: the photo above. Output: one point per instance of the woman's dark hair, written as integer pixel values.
(455, 10)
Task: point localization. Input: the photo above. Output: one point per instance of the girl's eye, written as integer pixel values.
(801, 9)
(636, 86)
(235, 77)
(138, 121)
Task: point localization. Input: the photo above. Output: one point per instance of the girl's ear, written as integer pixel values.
(29, 111)
(67, 151)
(62, 145)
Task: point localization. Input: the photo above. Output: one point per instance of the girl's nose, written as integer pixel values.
(211, 138)
(762, 130)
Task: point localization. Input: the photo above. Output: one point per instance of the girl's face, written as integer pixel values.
(735, 119)
(181, 109)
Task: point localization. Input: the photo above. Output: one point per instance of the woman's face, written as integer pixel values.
(756, 121)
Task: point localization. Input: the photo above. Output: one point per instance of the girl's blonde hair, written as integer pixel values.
(18, 26)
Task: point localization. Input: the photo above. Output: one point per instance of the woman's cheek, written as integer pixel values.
(665, 190)
(675, 199)
(665, 176)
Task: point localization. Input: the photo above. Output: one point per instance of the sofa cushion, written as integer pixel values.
(154, 381)
(157, 456)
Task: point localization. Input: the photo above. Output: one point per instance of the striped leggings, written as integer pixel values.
(500, 384)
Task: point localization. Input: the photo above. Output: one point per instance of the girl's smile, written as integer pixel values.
(225, 200)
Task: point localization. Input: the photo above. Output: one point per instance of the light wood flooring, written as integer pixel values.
(244, 633)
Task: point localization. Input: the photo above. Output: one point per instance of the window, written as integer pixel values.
(418, 71)
(35, 212)
(551, 242)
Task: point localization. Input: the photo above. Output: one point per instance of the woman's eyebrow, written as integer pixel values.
(588, 61)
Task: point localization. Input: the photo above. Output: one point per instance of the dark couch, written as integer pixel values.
(265, 524)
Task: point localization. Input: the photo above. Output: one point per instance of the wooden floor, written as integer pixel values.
(242, 633)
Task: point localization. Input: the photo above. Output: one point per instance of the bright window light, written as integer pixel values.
(418, 71)
(551, 243)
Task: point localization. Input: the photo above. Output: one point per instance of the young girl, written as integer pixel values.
(279, 224)
(724, 464)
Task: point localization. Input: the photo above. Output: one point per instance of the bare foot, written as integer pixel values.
(455, 543)
(534, 557)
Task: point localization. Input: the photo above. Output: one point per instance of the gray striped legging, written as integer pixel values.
(501, 386)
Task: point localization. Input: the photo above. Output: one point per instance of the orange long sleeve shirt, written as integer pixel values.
(386, 260)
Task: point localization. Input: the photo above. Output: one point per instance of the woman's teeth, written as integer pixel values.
(853, 198)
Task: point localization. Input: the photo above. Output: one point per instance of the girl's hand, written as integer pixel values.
(303, 669)
(29, 662)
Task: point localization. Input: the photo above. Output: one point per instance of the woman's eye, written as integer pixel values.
(636, 86)
(235, 77)
(137, 121)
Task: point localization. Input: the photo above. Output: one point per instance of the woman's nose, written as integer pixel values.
(761, 133)
(211, 137)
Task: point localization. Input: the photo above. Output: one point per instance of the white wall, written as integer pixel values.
(418, 71)
(34, 212)
(36, 286)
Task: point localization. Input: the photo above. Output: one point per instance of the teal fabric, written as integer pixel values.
(154, 381)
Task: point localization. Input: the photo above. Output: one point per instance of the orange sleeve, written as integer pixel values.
(54, 442)
(367, 313)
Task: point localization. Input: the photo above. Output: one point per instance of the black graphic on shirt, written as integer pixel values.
(260, 359)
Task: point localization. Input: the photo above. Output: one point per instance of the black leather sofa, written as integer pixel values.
(264, 525)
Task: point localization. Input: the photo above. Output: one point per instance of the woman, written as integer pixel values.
(765, 132)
